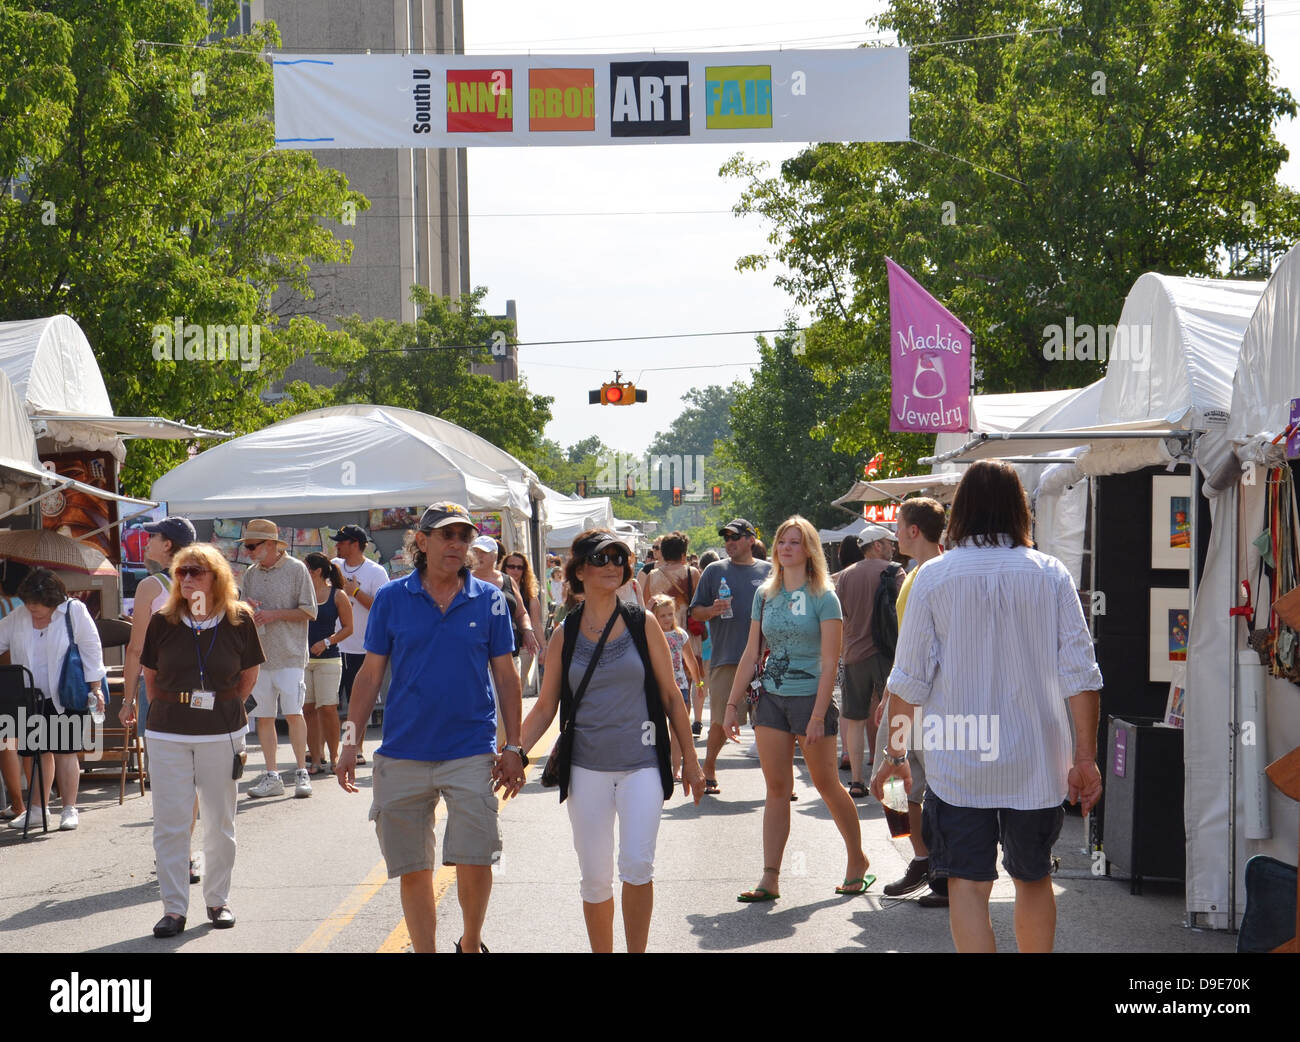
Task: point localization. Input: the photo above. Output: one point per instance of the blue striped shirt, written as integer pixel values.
(992, 643)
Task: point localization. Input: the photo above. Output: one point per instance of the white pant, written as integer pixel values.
(637, 797)
(178, 768)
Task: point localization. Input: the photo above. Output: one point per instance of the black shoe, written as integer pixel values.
(933, 900)
(222, 918)
(482, 947)
(696, 728)
(194, 869)
(916, 876)
(169, 926)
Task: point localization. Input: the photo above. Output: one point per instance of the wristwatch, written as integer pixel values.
(518, 750)
(897, 761)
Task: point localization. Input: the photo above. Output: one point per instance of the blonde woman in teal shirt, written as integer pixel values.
(801, 623)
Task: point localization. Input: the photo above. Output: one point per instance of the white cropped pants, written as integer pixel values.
(595, 799)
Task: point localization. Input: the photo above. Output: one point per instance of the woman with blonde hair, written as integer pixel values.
(517, 567)
(797, 614)
(200, 657)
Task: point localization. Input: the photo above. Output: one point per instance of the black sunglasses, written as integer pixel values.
(190, 571)
(604, 557)
(731, 537)
(254, 546)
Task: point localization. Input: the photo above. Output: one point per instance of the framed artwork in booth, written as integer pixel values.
(1171, 521)
(1170, 614)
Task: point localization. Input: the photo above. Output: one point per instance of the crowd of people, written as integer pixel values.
(952, 613)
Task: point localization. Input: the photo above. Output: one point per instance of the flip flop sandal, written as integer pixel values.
(853, 887)
(757, 896)
(711, 787)
(858, 790)
(361, 760)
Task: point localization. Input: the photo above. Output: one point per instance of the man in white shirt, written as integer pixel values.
(362, 579)
(993, 647)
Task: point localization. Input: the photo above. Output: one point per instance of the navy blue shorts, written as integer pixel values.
(963, 841)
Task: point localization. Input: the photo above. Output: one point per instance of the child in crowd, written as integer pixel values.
(685, 669)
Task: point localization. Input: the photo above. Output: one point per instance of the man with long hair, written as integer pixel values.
(994, 646)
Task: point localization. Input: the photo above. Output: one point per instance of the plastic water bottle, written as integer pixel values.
(724, 591)
(97, 712)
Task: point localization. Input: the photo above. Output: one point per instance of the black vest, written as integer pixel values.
(634, 618)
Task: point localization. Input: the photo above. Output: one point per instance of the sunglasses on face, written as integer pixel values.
(254, 546)
(191, 571)
(514, 568)
(731, 537)
(604, 557)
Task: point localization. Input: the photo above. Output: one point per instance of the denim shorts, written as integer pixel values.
(963, 841)
(791, 713)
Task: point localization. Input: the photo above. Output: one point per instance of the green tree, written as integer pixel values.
(1138, 137)
(425, 366)
(145, 187)
(783, 464)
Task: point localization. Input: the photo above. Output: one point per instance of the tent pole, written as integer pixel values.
(1235, 701)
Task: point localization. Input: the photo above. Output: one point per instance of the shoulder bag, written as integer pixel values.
(563, 746)
(755, 691)
(72, 677)
(693, 625)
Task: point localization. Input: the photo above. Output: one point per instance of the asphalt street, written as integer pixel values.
(309, 878)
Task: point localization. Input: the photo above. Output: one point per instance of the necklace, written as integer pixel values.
(597, 628)
(352, 573)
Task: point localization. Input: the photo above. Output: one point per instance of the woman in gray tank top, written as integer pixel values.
(615, 769)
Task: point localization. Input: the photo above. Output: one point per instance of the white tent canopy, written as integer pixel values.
(53, 370)
(337, 460)
(566, 517)
(1194, 329)
(1221, 699)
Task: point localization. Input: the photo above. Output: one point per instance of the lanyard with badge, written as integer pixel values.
(203, 698)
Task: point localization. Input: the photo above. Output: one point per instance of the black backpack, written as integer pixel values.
(884, 612)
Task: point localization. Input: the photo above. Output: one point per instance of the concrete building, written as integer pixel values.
(417, 228)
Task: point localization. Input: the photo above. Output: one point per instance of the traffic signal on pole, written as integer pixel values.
(717, 495)
(616, 393)
(677, 496)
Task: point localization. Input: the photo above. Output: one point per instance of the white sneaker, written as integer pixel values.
(752, 750)
(69, 819)
(268, 783)
(301, 783)
(36, 815)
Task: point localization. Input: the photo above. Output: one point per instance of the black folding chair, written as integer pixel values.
(20, 702)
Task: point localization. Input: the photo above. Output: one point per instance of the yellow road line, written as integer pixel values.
(346, 911)
(399, 940)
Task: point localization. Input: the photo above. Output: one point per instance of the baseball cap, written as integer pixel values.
(438, 515)
(739, 526)
(177, 529)
(874, 533)
(597, 542)
(354, 533)
(485, 543)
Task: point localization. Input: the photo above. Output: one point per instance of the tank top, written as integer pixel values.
(327, 617)
(165, 581)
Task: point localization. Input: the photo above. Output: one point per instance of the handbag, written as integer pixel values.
(564, 743)
(693, 625)
(756, 688)
(72, 677)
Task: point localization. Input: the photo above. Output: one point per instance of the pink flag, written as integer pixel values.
(929, 360)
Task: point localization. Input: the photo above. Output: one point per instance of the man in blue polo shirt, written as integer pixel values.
(440, 628)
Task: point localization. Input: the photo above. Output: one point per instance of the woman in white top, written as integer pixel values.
(36, 636)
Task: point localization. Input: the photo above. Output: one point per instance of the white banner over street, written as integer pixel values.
(441, 101)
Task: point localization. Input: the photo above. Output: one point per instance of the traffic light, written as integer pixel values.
(717, 495)
(615, 392)
(582, 488)
(677, 496)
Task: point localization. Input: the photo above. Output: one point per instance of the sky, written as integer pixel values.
(640, 240)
